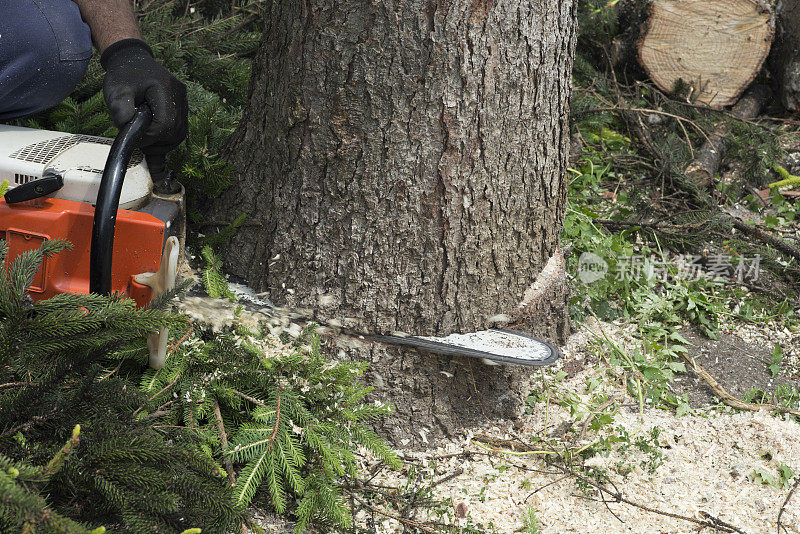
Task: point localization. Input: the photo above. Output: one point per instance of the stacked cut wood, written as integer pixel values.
(712, 50)
(716, 48)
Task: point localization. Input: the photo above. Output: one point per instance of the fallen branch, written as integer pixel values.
(729, 399)
(403, 520)
(646, 111)
(780, 244)
(702, 169)
(248, 397)
(710, 521)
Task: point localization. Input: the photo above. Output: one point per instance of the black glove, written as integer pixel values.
(133, 78)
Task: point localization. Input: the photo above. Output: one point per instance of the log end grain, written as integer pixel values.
(717, 48)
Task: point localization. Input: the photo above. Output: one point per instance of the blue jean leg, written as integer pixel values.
(44, 50)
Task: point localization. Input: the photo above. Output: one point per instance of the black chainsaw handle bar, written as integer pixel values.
(105, 211)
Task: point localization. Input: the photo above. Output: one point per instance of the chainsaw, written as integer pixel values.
(127, 234)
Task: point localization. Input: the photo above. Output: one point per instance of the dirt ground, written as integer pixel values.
(737, 364)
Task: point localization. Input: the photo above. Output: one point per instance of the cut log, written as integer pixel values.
(703, 168)
(715, 47)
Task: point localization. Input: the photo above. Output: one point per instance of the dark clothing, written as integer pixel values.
(44, 50)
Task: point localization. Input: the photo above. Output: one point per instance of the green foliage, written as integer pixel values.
(598, 22)
(530, 522)
(123, 473)
(782, 478)
(757, 149)
(225, 234)
(24, 507)
(295, 417)
(776, 358)
(213, 280)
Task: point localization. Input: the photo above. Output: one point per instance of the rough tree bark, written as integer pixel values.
(407, 161)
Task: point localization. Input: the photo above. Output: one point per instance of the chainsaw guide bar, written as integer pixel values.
(496, 346)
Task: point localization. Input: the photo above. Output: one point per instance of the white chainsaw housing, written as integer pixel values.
(27, 154)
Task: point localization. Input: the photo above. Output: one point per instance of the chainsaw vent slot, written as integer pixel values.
(23, 178)
(84, 168)
(46, 151)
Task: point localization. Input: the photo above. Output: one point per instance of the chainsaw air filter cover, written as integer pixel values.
(27, 154)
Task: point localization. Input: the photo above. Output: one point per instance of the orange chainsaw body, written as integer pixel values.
(138, 242)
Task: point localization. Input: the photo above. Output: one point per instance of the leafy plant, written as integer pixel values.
(530, 522)
(24, 507)
(776, 358)
(781, 479)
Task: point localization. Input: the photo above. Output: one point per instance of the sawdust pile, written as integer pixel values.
(709, 463)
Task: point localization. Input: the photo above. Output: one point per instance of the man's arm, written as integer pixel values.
(109, 20)
(134, 78)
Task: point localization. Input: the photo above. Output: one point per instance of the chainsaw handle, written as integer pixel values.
(108, 195)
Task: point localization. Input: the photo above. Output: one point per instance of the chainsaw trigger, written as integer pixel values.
(34, 189)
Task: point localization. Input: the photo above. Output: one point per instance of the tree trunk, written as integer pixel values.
(784, 60)
(715, 47)
(407, 161)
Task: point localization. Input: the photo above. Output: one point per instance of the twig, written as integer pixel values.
(403, 520)
(117, 368)
(224, 223)
(643, 110)
(248, 397)
(729, 399)
(162, 390)
(223, 441)
(493, 443)
(181, 340)
(616, 494)
(458, 472)
(277, 420)
(589, 419)
(156, 415)
(540, 488)
(785, 502)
